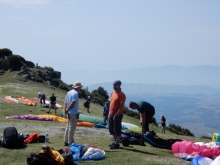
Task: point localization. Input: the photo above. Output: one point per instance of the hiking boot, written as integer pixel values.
(66, 144)
(114, 146)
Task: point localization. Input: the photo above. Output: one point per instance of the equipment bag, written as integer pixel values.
(11, 138)
(86, 104)
(50, 152)
(34, 159)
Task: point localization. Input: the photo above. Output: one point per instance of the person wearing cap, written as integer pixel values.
(116, 112)
(146, 110)
(53, 103)
(42, 98)
(71, 112)
(105, 112)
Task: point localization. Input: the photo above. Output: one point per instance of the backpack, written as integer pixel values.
(34, 159)
(32, 138)
(51, 153)
(86, 104)
(11, 138)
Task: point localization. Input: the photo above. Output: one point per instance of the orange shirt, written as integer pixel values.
(115, 101)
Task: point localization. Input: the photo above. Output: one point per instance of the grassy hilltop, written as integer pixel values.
(11, 85)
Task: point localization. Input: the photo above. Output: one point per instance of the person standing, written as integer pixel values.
(105, 112)
(146, 110)
(71, 112)
(42, 98)
(53, 103)
(116, 112)
(87, 103)
(163, 123)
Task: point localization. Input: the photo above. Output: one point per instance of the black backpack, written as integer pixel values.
(34, 159)
(86, 104)
(11, 138)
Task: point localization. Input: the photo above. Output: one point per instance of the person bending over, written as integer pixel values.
(146, 110)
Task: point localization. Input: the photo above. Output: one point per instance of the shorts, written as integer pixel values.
(53, 106)
(114, 124)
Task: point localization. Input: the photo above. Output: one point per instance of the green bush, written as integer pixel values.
(5, 52)
(63, 87)
(100, 96)
(178, 130)
(29, 64)
(56, 74)
(49, 68)
(14, 62)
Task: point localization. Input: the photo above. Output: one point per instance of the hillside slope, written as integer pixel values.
(10, 85)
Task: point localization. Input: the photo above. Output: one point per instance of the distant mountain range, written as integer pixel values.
(172, 75)
(193, 107)
(187, 96)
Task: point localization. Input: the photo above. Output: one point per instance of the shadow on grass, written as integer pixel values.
(17, 148)
(130, 149)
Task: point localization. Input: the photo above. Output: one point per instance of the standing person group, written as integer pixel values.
(71, 112)
(112, 113)
(42, 98)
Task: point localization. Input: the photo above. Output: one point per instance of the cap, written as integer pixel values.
(131, 103)
(117, 82)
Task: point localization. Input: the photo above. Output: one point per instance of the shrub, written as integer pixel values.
(5, 52)
(63, 87)
(14, 62)
(49, 68)
(29, 64)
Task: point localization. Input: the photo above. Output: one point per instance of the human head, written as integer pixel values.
(117, 85)
(77, 86)
(132, 105)
(52, 94)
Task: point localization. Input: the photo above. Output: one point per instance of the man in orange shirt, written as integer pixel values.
(116, 112)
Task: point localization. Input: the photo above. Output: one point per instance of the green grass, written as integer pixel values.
(12, 85)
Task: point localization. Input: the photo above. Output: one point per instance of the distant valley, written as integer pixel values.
(196, 108)
(187, 96)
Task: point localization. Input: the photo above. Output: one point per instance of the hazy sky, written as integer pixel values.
(112, 34)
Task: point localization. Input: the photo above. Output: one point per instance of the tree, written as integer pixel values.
(14, 62)
(5, 52)
(179, 130)
(100, 96)
(29, 64)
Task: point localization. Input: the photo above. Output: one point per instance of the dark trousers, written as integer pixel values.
(42, 99)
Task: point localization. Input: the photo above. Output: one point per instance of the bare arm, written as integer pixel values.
(120, 108)
(143, 117)
(69, 107)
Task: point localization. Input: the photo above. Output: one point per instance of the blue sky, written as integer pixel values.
(112, 35)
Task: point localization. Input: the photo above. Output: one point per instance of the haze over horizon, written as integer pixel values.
(170, 75)
(112, 35)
